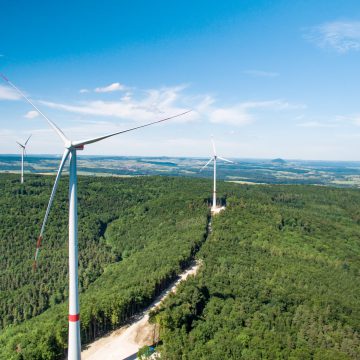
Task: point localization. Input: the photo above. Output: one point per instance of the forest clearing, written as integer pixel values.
(126, 341)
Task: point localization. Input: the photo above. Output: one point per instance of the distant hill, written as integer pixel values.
(278, 161)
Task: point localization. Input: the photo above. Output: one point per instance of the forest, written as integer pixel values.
(278, 280)
(135, 235)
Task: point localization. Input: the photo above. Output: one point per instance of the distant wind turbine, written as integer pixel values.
(23, 152)
(214, 158)
(71, 148)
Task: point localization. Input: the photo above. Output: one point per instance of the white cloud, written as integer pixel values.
(261, 73)
(110, 88)
(317, 124)
(235, 115)
(146, 105)
(150, 104)
(7, 93)
(7, 133)
(350, 119)
(243, 113)
(277, 104)
(331, 122)
(356, 120)
(341, 36)
(31, 114)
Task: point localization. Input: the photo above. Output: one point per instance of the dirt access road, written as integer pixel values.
(124, 343)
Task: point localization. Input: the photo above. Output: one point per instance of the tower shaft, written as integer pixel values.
(214, 192)
(22, 165)
(74, 351)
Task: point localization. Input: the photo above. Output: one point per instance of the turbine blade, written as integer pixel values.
(51, 123)
(38, 243)
(21, 145)
(90, 141)
(211, 159)
(28, 139)
(229, 161)
(213, 145)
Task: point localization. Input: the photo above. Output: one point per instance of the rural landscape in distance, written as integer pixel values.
(180, 181)
(243, 171)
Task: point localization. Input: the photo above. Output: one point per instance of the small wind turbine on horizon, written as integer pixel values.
(71, 148)
(214, 158)
(23, 153)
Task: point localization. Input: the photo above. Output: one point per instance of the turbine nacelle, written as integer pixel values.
(73, 146)
(24, 145)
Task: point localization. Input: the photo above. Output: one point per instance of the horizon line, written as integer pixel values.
(181, 157)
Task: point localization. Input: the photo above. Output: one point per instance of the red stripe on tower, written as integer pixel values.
(74, 318)
(38, 243)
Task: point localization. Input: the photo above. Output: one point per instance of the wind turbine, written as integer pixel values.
(214, 158)
(23, 152)
(71, 148)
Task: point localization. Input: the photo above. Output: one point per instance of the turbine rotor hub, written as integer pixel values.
(69, 145)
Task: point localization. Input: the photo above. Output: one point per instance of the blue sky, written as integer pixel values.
(266, 78)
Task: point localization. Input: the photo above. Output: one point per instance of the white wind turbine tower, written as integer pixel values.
(23, 152)
(71, 148)
(214, 158)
